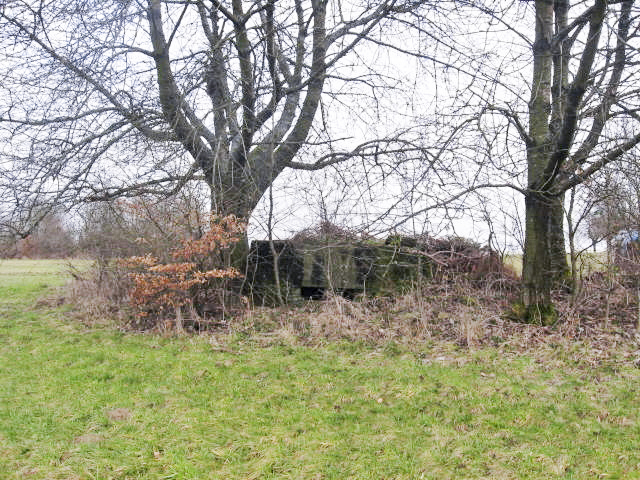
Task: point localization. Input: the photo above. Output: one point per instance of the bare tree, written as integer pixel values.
(614, 198)
(583, 96)
(123, 98)
(560, 104)
(145, 224)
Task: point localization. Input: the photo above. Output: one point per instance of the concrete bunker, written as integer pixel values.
(308, 269)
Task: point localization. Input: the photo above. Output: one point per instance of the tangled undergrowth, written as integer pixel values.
(468, 302)
(463, 315)
(598, 324)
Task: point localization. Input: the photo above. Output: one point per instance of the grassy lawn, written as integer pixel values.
(101, 404)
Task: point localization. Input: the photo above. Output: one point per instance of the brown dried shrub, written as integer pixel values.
(143, 292)
(459, 256)
(161, 292)
(328, 231)
(101, 293)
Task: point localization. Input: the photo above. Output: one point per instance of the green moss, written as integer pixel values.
(398, 271)
(536, 314)
(542, 314)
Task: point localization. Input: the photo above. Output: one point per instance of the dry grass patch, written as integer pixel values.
(119, 415)
(452, 309)
(100, 294)
(460, 314)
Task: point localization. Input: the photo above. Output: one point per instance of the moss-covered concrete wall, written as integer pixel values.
(344, 267)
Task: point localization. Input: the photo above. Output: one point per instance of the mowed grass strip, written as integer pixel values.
(98, 403)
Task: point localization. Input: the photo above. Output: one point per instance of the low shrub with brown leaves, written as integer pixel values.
(145, 292)
(160, 290)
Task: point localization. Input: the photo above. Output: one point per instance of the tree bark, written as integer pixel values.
(545, 263)
(539, 216)
(557, 247)
(238, 200)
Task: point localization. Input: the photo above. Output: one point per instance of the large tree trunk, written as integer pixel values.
(543, 222)
(238, 199)
(559, 265)
(545, 263)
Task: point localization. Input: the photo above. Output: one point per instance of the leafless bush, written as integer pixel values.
(459, 256)
(146, 224)
(100, 293)
(470, 326)
(607, 300)
(8, 247)
(455, 311)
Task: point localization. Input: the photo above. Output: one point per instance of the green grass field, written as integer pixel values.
(588, 262)
(101, 404)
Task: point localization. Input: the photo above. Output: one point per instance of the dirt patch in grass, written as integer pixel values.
(51, 301)
(88, 438)
(119, 414)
